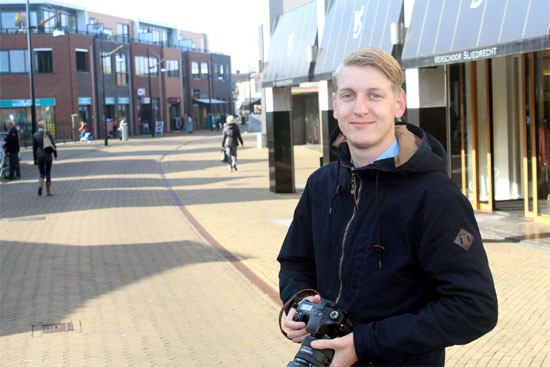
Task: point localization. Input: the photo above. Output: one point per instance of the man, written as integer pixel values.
(385, 233)
(12, 148)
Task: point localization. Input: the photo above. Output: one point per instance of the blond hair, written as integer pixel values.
(376, 58)
(42, 124)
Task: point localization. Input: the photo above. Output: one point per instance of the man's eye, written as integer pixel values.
(375, 96)
(347, 97)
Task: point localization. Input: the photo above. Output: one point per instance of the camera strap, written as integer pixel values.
(293, 302)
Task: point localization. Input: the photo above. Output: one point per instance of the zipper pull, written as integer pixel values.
(379, 250)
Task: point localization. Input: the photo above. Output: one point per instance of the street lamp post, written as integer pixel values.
(149, 67)
(102, 55)
(151, 114)
(31, 63)
(102, 71)
(31, 70)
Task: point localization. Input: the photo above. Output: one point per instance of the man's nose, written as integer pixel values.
(361, 106)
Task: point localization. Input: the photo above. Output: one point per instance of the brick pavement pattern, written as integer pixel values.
(161, 257)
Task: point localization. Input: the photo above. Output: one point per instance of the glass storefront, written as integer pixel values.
(541, 117)
(21, 116)
(499, 139)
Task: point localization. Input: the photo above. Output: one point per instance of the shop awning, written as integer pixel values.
(446, 32)
(287, 62)
(353, 24)
(208, 101)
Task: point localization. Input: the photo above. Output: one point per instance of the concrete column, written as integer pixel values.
(328, 122)
(279, 139)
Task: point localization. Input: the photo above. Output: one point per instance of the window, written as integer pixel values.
(13, 21)
(13, 61)
(43, 61)
(82, 61)
(4, 62)
(221, 75)
(121, 69)
(107, 65)
(172, 68)
(142, 67)
(204, 71)
(195, 70)
(123, 32)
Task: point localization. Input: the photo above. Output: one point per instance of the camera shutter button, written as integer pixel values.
(334, 315)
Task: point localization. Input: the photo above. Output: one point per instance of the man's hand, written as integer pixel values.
(296, 330)
(344, 350)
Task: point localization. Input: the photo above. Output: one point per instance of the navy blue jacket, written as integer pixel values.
(397, 246)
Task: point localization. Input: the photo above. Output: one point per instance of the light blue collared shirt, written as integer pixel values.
(391, 152)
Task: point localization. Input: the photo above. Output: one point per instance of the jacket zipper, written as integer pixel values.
(355, 196)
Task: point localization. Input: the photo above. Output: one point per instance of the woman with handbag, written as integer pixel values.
(43, 148)
(230, 142)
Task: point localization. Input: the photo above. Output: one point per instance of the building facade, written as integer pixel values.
(477, 78)
(99, 69)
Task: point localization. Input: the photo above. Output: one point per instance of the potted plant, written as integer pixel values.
(19, 20)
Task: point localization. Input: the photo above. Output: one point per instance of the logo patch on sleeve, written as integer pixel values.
(464, 239)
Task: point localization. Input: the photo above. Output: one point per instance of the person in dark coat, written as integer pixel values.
(385, 233)
(44, 157)
(12, 148)
(231, 139)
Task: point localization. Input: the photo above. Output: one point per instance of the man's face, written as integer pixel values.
(366, 106)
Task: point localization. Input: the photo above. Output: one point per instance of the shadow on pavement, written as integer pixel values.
(45, 283)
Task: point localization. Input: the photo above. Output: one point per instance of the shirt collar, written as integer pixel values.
(391, 152)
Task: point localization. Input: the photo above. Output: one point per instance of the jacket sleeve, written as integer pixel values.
(297, 271)
(464, 306)
(239, 136)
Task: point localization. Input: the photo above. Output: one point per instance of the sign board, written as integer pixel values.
(159, 127)
(38, 102)
(84, 101)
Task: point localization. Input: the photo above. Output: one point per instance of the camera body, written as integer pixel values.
(323, 321)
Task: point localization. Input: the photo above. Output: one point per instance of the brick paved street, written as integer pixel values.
(161, 257)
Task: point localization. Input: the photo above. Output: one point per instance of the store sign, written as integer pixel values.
(140, 92)
(84, 101)
(110, 100)
(464, 56)
(21, 103)
(123, 100)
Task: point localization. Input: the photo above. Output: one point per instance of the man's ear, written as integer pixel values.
(400, 104)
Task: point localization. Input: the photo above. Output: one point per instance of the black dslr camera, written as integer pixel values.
(323, 321)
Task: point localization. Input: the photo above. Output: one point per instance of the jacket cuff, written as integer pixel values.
(363, 348)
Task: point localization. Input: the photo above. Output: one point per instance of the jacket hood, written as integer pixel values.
(418, 151)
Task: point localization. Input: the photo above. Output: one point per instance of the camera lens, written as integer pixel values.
(309, 357)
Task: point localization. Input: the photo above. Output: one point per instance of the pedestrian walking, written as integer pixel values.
(189, 125)
(230, 141)
(13, 150)
(44, 148)
(385, 233)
